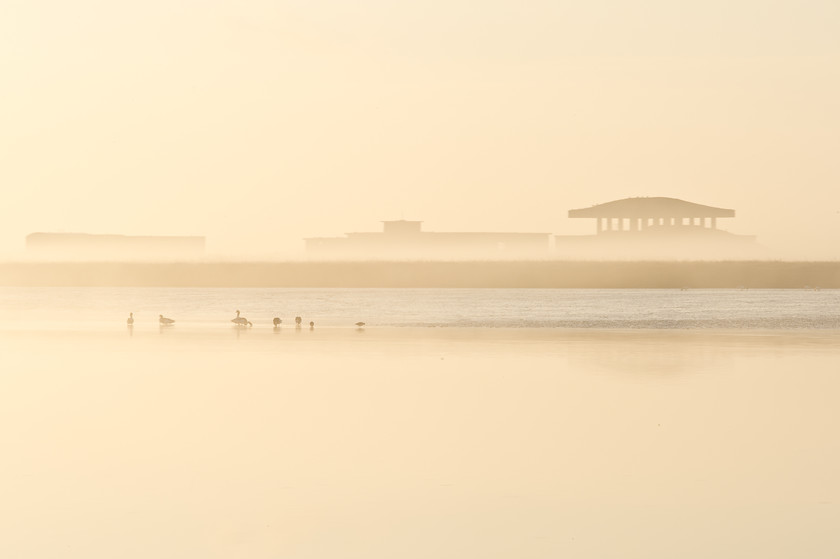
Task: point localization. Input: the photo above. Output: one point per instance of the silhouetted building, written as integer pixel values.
(405, 239)
(67, 246)
(655, 227)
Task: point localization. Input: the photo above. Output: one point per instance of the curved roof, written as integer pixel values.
(651, 207)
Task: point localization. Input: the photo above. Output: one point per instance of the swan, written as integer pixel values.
(130, 320)
(164, 320)
(241, 320)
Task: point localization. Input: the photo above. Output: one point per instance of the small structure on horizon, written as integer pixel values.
(74, 246)
(655, 227)
(405, 239)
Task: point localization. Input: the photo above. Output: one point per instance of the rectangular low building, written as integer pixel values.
(405, 240)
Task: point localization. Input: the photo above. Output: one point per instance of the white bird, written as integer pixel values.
(241, 320)
(130, 320)
(164, 320)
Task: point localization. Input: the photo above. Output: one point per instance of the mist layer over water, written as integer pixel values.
(93, 308)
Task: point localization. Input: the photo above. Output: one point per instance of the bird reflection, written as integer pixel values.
(239, 331)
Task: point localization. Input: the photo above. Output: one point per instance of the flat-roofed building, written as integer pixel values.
(403, 239)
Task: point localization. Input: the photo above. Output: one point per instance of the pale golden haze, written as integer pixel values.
(260, 123)
(418, 443)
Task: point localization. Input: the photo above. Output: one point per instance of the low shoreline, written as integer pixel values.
(398, 274)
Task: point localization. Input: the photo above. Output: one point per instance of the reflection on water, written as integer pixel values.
(419, 443)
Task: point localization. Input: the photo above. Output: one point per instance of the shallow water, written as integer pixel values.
(206, 440)
(96, 308)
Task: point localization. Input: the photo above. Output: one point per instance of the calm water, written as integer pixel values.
(665, 424)
(28, 308)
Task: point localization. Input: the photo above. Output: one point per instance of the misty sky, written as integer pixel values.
(257, 123)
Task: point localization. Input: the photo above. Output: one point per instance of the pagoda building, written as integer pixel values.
(655, 227)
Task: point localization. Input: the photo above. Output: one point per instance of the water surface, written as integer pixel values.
(207, 440)
(41, 308)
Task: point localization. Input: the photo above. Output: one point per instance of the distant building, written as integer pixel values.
(655, 227)
(405, 239)
(73, 246)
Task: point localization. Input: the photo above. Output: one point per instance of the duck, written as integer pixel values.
(298, 320)
(360, 324)
(276, 322)
(164, 320)
(241, 320)
(311, 325)
(130, 320)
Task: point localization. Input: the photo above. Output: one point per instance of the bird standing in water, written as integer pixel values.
(241, 320)
(298, 321)
(276, 322)
(311, 325)
(130, 320)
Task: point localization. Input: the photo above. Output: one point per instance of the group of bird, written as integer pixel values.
(239, 321)
(162, 319)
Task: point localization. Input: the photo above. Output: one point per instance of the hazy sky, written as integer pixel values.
(257, 122)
